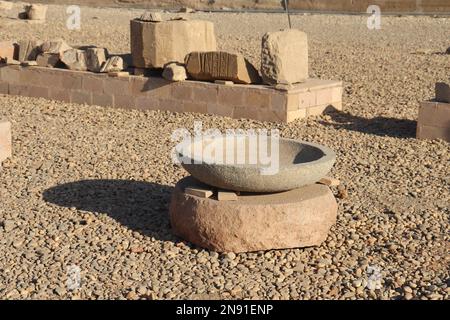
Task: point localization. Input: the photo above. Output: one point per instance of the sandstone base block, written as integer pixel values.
(284, 57)
(154, 44)
(434, 121)
(292, 219)
(5, 140)
(216, 65)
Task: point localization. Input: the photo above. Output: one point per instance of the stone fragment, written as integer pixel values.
(5, 5)
(199, 192)
(292, 219)
(28, 50)
(151, 17)
(74, 59)
(224, 82)
(216, 65)
(95, 59)
(443, 92)
(49, 60)
(448, 50)
(5, 140)
(434, 120)
(284, 57)
(55, 47)
(226, 196)
(113, 64)
(328, 181)
(186, 10)
(6, 50)
(174, 72)
(153, 45)
(36, 11)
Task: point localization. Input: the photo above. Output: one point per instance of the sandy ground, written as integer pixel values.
(89, 186)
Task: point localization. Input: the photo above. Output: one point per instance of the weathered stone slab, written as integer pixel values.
(284, 57)
(5, 140)
(174, 72)
(113, 64)
(434, 121)
(74, 59)
(293, 219)
(95, 58)
(443, 92)
(28, 50)
(153, 45)
(210, 66)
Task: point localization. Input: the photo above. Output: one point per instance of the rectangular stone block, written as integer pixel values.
(207, 93)
(232, 96)
(6, 50)
(443, 92)
(146, 103)
(284, 57)
(125, 101)
(220, 110)
(217, 65)
(295, 114)
(155, 44)
(195, 106)
(102, 99)
(18, 90)
(116, 86)
(257, 98)
(5, 140)
(4, 87)
(59, 94)
(425, 132)
(434, 114)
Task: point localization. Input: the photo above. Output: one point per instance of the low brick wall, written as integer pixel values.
(434, 121)
(260, 102)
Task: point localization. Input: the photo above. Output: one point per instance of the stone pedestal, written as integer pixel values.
(255, 222)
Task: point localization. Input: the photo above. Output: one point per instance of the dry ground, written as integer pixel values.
(90, 186)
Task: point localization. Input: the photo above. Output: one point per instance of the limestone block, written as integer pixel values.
(218, 65)
(5, 140)
(153, 45)
(95, 58)
(6, 50)
(49, 60)
(292, 219)
(28, 50)
(6, 5)
(284, 57)
(113, 64)
(74, 59)
(443, 92)
(36, 11)
(174, 72)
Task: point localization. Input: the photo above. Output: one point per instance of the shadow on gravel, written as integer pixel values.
(140, 206)
(380, 126)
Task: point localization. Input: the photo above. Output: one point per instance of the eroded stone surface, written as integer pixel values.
(216, 65)
(6, 50)
(293, 219)
(55, 47)
(49, 60)
(284, 57)
(113, 64)
(153, 45)
(36, 11)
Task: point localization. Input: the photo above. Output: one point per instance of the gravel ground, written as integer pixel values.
(89, 186)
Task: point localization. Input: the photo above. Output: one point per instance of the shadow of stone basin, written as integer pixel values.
(255, 163)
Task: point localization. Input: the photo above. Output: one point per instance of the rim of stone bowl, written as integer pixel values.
(328, 154)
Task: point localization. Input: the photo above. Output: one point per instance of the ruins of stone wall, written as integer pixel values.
(258, 102)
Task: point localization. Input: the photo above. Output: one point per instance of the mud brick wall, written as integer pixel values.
(434, 121)
(262, 103)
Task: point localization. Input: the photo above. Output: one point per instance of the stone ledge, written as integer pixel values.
(258, 102)
(434, 120)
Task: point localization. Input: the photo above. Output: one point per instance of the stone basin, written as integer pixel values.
(300, 163)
